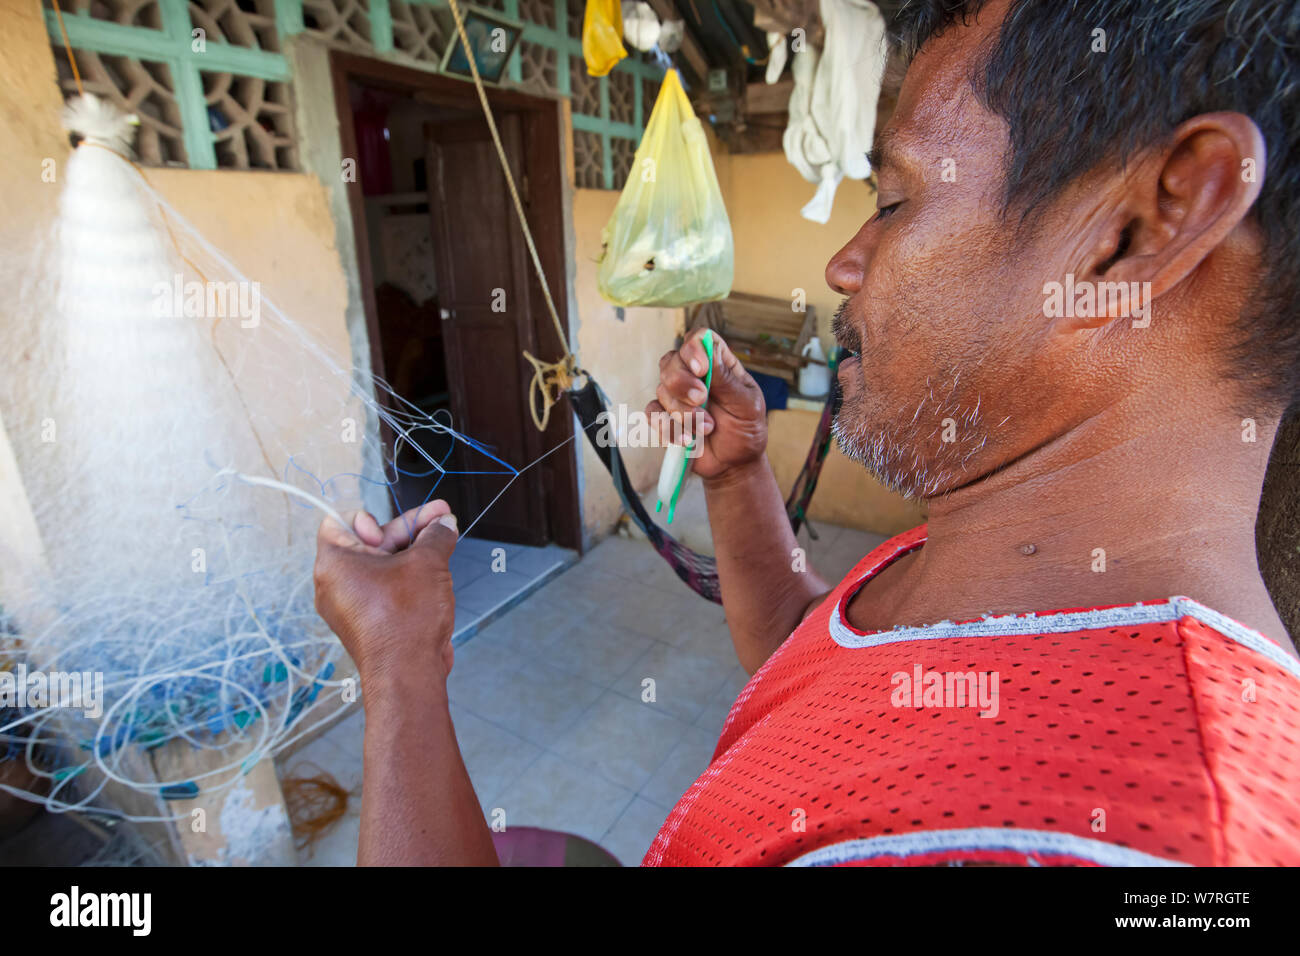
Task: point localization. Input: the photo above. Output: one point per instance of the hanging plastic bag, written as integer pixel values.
(602, 36)
(668, 242)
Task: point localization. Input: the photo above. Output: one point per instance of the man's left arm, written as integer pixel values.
(387, 593)
(419, 807)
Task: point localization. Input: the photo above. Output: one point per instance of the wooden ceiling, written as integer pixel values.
(727, 38)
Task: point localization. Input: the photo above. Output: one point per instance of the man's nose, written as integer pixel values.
(845, 270)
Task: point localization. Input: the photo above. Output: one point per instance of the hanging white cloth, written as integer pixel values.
(776, 57)
(833, 104)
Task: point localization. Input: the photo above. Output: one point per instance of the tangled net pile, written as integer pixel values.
(177, 466)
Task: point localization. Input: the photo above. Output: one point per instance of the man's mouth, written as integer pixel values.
(845, 335)
(850, 359)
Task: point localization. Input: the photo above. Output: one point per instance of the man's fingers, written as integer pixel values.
(367, 528)
(682, 429)
(406, 527)
(693, 355)
(699, 425)
(667, 400)
(680, 391)
(682, 373)
(440, 536)
(677, 428)
(697, 360)
(729, 375)
(659, 419)
(733, 389)
(683, 384)
(334, 535)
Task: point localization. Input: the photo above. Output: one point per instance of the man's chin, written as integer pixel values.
(885, 459)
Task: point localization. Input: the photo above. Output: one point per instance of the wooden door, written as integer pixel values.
(482, 271)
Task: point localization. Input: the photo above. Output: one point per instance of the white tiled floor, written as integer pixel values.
(490, 577)
(547, 697)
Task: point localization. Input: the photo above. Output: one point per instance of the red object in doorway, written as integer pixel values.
(370, 119)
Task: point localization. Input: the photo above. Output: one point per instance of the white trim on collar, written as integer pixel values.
(1061, 622)
(1044, 842)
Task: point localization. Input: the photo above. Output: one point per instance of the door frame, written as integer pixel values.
(543, 162)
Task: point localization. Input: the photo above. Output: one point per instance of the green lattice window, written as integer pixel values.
(219, 97)
(226, 103)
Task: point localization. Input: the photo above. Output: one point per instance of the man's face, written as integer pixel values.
(959, 372)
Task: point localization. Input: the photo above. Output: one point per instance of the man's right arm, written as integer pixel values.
(765, 597)
(764, 592)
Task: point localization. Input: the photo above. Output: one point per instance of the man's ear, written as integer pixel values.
(1178, 203)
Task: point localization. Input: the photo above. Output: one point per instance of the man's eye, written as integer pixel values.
(885, 211)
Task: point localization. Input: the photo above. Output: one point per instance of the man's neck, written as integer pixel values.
(1138, 503)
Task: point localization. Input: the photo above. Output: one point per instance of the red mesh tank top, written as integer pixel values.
(1148, 734)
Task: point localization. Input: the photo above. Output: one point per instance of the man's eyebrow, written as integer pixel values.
(881, 153)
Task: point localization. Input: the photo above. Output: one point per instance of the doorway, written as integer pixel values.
(450, 295)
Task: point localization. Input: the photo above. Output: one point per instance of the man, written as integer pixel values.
(1076, 660)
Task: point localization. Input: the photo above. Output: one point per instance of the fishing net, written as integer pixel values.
(179, 436)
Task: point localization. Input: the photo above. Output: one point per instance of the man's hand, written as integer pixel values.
(733, 426)
(764, 597)
(387, 592)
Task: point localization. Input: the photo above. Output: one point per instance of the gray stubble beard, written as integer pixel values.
(894, 454)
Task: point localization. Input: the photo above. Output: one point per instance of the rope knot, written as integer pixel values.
(550, 381)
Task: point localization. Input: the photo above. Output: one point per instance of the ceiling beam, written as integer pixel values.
(768, 98)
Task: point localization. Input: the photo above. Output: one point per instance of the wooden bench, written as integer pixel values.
(766, 334)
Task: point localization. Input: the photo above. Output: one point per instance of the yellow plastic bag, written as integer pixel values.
(602, 36)
(668, 242)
